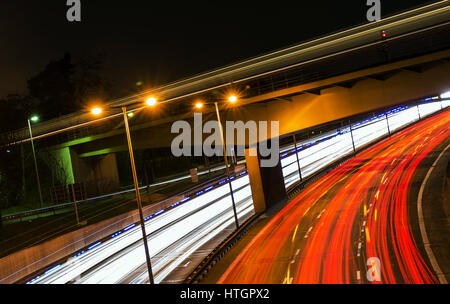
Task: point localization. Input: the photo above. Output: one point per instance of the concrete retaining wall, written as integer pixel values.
(22, 263)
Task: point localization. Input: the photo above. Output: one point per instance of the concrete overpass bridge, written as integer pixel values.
(352, 72)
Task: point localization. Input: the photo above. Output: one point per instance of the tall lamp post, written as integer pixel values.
(138, 196)
(35, 118)
(231, 99)
(199, 105)
(97, 111)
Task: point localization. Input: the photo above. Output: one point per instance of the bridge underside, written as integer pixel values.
(305, 106)
(296, 108)
(342, 97)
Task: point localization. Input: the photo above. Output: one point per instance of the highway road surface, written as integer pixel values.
(357, 224)
(176, 237)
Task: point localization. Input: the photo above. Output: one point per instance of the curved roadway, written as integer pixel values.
(357, 224)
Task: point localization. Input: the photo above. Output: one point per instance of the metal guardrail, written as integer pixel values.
(219, 252)
(69, 204)
(183, 197)
(202, 270)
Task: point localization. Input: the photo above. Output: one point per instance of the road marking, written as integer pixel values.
(341, 179)
(298, 251)
(359, 245)
(321, 213)
(295, 233)
(364, 223)
(174, 281)
(307, 210)
(384, 175)
(358, 275)
(423, 230)
(307, 233)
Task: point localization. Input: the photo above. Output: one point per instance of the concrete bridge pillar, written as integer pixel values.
(98, 173)
(267, 183)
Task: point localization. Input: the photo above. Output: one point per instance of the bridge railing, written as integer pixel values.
(62, 198)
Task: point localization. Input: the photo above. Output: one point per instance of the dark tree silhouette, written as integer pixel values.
(14, 111)
(63, 87)
(89, 82)
(54, 88)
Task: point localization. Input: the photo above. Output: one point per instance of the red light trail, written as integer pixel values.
(360, 210)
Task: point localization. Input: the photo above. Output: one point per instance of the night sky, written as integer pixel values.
(161, 41)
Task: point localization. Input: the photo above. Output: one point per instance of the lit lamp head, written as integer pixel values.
(151, 101)
(199, 105)
(232, 99)
(130, 114)
(34, 118)
(96, 111)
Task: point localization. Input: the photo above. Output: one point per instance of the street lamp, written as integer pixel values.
(138, 196)
(35, 118)
(96, 111)
(226, 161)
(149, 102)
(199, 105)
(232, 99)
